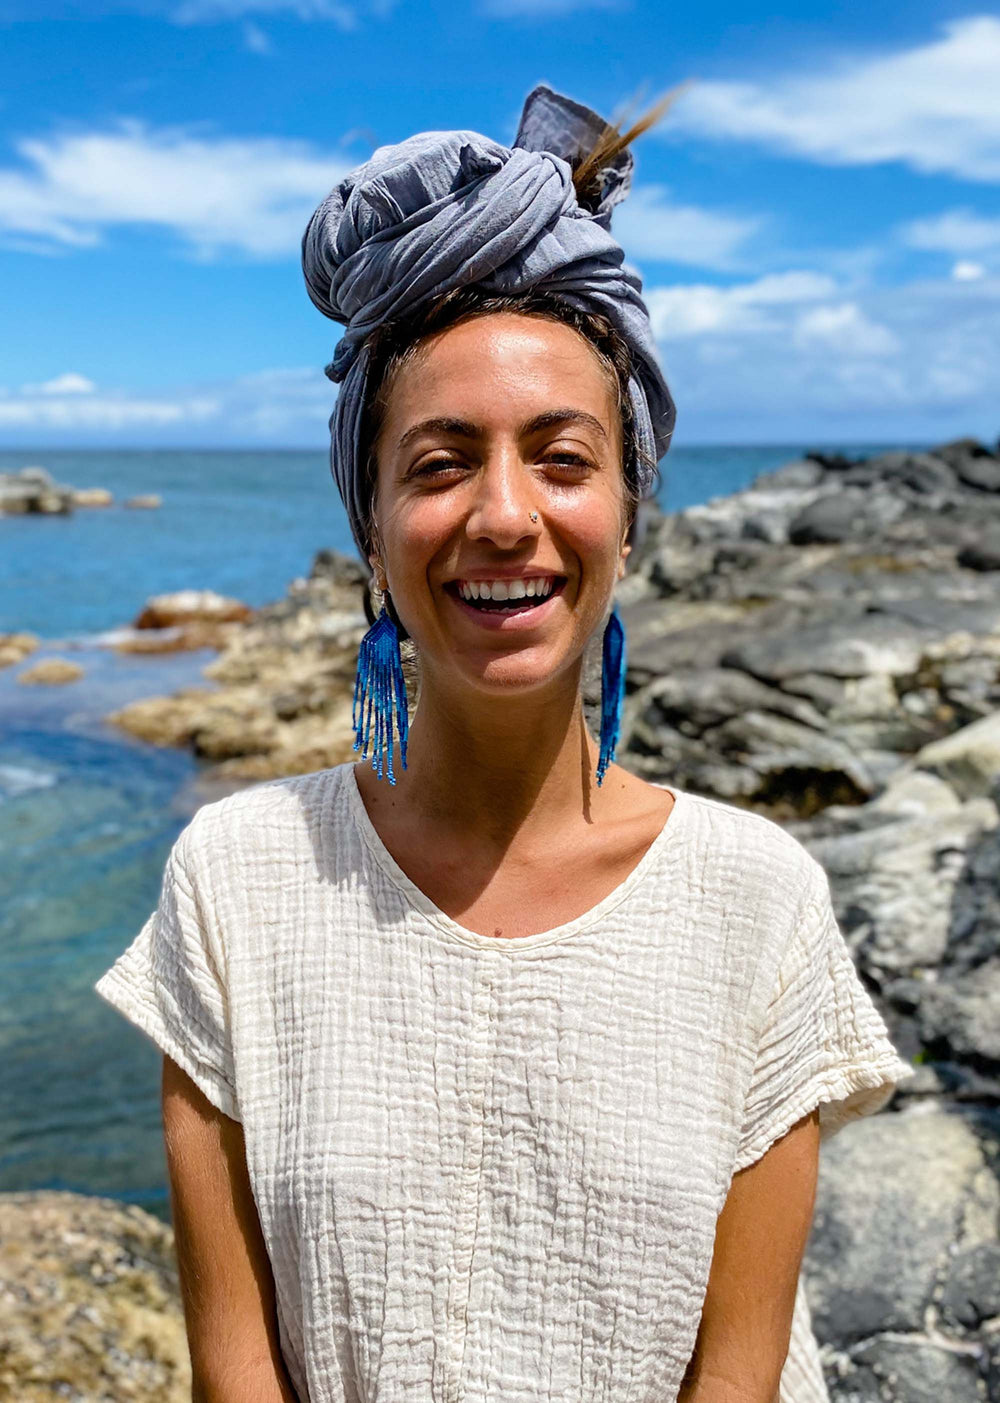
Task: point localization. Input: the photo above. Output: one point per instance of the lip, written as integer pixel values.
(500, 574)
(510, 621)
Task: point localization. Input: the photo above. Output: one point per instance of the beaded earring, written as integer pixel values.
(380, 696)
(612, 689)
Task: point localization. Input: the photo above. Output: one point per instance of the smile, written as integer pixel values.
(496, 602)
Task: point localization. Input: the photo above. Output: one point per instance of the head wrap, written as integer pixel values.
(446, 208)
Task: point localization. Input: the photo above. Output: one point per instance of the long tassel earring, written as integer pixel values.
(612, 689)
(380, 697)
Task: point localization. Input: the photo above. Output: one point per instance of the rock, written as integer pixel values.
(832, 462)
(144, 500)
(806, 472)
(16, 646)
(832, 517)
(982, 474)
(187, 619)
(983, 553)
(851, 647)
(959, 1019)
(92, 497)
(91, 1302)
(180, 638)
(960, 449)
(51, 671)
(969, 759)
(33, 491)
(920, 1371)
(890, 1193)
(972, 1291)
(187, 605)
(896, 875)
(39, 476)
(285, 676)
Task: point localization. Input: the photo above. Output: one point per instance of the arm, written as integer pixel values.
(746, 1321)
(227, 1286)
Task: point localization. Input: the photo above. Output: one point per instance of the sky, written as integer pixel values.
(816, 219)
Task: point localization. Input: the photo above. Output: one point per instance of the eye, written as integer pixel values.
(572, 462)
(435, 466)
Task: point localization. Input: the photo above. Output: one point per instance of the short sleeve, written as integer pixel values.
(171, 983)
(823, 1042)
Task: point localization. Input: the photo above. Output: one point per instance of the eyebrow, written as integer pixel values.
(464, 428)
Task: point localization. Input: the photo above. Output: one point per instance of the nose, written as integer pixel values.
(504, 500)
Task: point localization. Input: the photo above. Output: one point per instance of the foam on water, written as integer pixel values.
(19, 779)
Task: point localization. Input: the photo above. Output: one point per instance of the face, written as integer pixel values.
(499, 465)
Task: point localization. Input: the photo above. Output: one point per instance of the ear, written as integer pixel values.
(625, 552)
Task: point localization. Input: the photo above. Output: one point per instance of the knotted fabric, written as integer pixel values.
(443, 209)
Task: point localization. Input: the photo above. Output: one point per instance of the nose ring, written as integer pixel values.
(533, 515)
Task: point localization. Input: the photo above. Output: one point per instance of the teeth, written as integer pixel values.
(536, 588)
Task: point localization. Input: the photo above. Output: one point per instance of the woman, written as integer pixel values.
(504, 1080)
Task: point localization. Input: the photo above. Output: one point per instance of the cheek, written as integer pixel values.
(413, 531)
(590, 522)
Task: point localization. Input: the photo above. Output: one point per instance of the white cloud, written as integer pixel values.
(955, 231)
(649, 226)
(917, 359)
(252, 195)
(69, 384)
(696, 309)
(220, 11)
(101, 412)
(965, 271)
(843, 327)
(933, 107)
(256, 41)
(268, 406)
(771, 359)
(544, 9)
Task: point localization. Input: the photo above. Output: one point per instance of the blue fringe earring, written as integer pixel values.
(612, 689)
(379, 689)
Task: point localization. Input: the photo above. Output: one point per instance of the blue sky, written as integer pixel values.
(816, 220)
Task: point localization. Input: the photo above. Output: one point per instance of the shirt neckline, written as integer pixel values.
(671, 833)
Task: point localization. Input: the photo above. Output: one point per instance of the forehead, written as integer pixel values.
(498, 366)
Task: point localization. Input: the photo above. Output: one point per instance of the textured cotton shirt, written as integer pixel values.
(489, 1169)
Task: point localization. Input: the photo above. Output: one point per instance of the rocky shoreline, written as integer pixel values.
(33, 491)
(823, 648)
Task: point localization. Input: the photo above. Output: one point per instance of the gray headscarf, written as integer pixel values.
(444, 209)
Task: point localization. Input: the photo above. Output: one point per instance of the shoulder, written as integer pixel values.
(740, 845)
(274, 819)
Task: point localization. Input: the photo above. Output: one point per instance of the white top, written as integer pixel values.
(490, 1168)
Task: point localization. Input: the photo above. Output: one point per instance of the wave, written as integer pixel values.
(20, 779)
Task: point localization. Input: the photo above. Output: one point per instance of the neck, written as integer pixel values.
(489, 763)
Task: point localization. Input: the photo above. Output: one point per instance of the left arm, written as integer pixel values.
(761, 1235)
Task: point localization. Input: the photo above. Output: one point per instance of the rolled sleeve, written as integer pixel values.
(171, 984)
(824, 1043)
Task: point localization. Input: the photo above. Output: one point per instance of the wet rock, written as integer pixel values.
(92, 497)
(14, 647)
(50, 672)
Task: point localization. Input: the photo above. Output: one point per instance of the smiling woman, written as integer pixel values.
(533, 1069)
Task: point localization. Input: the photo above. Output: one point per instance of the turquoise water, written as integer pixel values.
(87, 815)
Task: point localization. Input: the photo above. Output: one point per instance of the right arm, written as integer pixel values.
(227, 1286)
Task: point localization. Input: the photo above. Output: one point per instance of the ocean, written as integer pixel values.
(87, 815)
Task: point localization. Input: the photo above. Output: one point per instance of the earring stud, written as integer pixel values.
(533, 515)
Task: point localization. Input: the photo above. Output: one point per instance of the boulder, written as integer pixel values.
(91, 1302)
(51, 671)
(14, 647)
